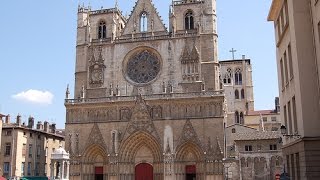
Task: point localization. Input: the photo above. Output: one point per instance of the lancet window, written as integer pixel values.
(238, 76)
(144, 22)
(189, 20)
(102, 30)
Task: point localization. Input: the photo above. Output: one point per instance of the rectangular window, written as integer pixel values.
(7, 149)
(24, 150)
(30, 150)
(285, 67)
(292, 167)
(31, 135)
(265, 119)
(6, 167)
(290, 118)
(285, 118)
(282, 74)
(22, 168)
(290, 61)
(248, 148)
(38, 150)
(298, 165)
(273, 147)
(294, 113)
(29, 168)
(288, 164)
(273, 118)
(37, 169)
(8, 133)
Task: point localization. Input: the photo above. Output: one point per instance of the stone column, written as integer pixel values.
(68, 169)
(62, 170)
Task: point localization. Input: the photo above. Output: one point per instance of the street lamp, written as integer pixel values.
(227, 162)
(283, 130)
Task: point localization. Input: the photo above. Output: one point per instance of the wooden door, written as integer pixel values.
(144, 171)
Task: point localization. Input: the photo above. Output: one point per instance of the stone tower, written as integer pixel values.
(146, 98)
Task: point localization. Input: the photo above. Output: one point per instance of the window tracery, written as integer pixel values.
(227, 76)
(143, 67)
(102, 31)
(189, 20)
(238, 77)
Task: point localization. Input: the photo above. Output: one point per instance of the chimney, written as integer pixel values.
(53, 128)
(243, 57)
(18, 120)
(30, 122)
(277, 105)
(46, 126)
(39, 125)
(7, 120)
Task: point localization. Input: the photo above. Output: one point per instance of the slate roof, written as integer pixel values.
(257, 135)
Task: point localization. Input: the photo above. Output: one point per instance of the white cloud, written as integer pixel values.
(35, 96)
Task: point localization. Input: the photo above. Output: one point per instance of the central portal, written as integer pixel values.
(191, 172)
(144, 171)
(98, 173)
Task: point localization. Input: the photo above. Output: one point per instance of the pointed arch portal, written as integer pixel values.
(144, 171)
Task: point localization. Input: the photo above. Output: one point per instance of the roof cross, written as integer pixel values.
(233, 51)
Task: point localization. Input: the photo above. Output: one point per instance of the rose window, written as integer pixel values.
(143, 67)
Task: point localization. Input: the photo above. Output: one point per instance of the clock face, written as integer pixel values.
(143, 67)
(96, 75)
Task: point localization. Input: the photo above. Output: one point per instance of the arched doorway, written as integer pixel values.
(144, 171)
(191, 172)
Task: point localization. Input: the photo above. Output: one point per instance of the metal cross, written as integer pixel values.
(233, 51)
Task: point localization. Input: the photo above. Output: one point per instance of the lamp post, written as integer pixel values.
(283, 130)
(227, 162)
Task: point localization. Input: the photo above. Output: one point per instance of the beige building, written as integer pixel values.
(26, 150)
(147, 102)
(297, 26)
(236, 80)
(264, 120)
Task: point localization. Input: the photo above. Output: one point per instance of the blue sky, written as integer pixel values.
(37, 51)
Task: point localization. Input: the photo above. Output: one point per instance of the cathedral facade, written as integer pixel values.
(147, 102)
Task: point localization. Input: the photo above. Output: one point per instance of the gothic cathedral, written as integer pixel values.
(147, 100)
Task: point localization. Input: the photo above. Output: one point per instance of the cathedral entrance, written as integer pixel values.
(98, 173)
(190, 172)
(144, 171)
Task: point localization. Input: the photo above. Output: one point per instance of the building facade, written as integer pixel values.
(236, 80)
(147, 102)
(297, 26)
(26, 150)
(264, 120)
(260, 155)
